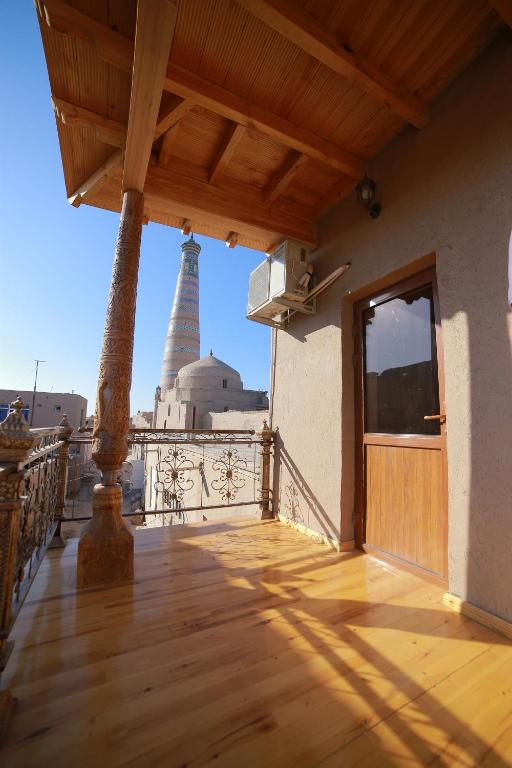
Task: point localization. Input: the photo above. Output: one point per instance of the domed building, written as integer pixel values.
(202, 388)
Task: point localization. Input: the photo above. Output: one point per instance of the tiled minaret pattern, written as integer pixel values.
(182, 342)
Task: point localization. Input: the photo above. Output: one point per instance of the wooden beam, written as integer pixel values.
(173, 108)
(186, 227)
(105, 169)
(156, 20)
(228, 104)
(225, 152)
(284, 175)
(111, 46)
(504, 9)
(118, 51)
(288, 19)
(107, 130)
(164, 156)
(234, 206)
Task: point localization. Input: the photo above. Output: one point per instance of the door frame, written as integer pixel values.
(394, 289)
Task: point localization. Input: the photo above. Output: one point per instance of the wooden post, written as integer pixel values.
(58, 540)
(15, 445)
(267, 437)
(105, 549)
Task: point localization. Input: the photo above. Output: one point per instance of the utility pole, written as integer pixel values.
(34, 395)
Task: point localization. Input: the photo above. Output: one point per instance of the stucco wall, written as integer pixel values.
(50, 407)
(445, 189)
(235, 420)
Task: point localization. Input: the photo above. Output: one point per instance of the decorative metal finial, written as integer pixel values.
(16, 440)
(211, 352)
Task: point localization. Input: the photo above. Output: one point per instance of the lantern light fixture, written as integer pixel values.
(366, 192)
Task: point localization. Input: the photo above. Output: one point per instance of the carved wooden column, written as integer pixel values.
(105, 550)
(267, 437)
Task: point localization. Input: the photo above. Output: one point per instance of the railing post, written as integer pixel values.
(58, 540)
(16, 443)
(105, 549)
(267, 437)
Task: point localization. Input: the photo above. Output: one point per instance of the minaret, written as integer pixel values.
(182, 342)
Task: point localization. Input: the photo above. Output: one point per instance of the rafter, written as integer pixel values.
(235, 206)
(107, 130)
(283, 177)
(228, 104)
(111, 46)
(225, 152)
(288, 19)
(504, 9)
(118, 51)
(171, 111)
(232, 240)
(156, 20)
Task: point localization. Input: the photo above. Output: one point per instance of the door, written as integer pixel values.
(401, 509)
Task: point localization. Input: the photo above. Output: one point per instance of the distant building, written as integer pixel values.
(204, 387)
(49, 409)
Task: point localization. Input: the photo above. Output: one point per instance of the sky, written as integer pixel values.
(56, 260)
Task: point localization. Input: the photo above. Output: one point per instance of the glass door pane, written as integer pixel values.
(400, 365)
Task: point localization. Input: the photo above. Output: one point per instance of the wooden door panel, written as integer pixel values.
(404, 504)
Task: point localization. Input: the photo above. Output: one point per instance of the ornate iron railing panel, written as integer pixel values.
(186, 471)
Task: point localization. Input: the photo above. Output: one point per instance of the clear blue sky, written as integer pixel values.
(56, 260)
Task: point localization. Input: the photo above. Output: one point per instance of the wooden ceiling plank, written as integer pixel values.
(107, 130)
(284, 175)
(504, 9)
(290, 21)
(118, 51)
(225, 152)
(156, 20)
(239, 110)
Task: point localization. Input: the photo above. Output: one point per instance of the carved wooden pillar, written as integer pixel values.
(105, 550)
(267, 437)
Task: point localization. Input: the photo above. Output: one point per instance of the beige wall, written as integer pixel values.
(50, 406)
(448, 190)
(236, 420)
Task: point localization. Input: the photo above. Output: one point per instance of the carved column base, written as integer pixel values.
(59, 540)
(105, 549)
(7, 702)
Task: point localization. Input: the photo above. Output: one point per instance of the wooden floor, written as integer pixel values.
(245, 644)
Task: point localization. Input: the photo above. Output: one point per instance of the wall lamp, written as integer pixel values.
(366, 190)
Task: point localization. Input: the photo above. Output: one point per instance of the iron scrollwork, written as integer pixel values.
(173, 476)
(229, 466)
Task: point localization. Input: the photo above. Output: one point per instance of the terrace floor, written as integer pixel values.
(243, 643)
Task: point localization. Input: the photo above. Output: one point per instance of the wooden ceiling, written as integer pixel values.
(271, 109)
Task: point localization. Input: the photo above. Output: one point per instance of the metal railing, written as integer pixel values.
(186, 471)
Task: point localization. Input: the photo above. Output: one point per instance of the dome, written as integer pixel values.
(208, 371)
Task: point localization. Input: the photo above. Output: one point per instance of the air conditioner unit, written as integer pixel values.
(279, 283)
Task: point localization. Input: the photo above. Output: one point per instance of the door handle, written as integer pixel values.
(441, 417)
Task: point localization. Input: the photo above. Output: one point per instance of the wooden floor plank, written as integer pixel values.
(244, 643)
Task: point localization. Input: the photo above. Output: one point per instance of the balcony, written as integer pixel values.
(244, 643)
